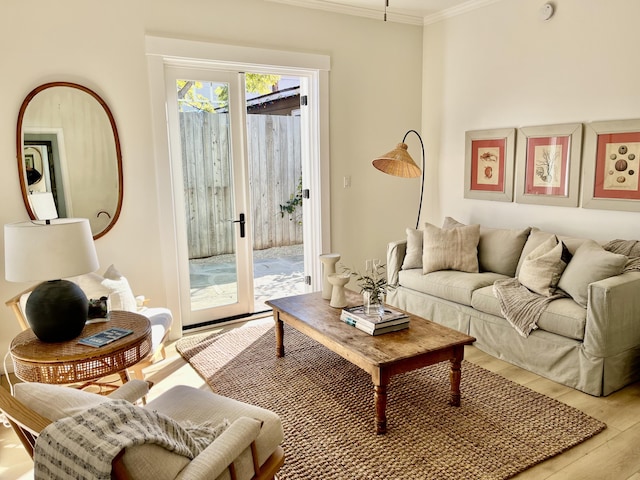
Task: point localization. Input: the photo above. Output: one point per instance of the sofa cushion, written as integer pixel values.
(562, 316)
(450, 285)
(499, 249)
(413, 255)
(450, 249)
(537, 236)
(542, 268)
(591, 263)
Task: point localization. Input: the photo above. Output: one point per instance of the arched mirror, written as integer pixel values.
(69, 153)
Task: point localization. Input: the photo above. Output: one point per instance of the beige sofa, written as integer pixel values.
(589, 339)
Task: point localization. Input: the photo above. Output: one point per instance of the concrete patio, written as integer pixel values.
(278, 272)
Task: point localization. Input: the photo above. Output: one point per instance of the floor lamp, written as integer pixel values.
(399, 163)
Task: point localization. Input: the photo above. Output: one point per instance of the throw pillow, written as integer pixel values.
(589, 264)
(112, 285)
(541, 270)
(499, 249)
(450, 249)
(121, 297)
(413, 256)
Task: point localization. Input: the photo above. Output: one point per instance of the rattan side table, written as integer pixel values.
(70, 362)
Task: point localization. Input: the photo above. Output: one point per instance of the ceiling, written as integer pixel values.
(418, 12)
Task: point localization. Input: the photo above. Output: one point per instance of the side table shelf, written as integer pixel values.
(70, 362)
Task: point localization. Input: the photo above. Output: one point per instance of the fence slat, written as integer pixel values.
(275, 170)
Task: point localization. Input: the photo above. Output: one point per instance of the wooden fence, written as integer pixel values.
(273, 143)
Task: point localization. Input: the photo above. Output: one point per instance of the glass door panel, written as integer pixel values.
(207, 143)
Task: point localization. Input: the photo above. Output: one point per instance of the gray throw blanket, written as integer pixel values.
(520, 306)
(630, 248)
(83, 446)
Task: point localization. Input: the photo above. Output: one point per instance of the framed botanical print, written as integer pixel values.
(612, 165)
(489, 164)
(548, 164)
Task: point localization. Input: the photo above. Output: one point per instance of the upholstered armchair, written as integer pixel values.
(249, 448)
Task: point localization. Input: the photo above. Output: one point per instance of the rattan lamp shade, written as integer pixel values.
(398, 162)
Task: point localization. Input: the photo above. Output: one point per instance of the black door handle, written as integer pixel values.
(241, 221)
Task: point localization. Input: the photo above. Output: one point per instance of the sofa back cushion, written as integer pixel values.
(499, 249)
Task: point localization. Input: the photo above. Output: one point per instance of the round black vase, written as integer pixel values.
(57, 311)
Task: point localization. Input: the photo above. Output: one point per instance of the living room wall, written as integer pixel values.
(502, 66)
(375, 88)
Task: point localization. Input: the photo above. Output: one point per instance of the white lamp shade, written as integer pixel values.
(37, 251)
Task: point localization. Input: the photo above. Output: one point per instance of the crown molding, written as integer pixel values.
(392, 16)
(457, 10)
(351, 10)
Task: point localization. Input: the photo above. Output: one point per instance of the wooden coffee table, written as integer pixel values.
(423, 343)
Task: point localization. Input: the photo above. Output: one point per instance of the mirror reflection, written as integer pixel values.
(68, 148)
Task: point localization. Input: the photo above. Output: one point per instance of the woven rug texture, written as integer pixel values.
(327, 411)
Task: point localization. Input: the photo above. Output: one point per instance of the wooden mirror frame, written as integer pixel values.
(20, 146)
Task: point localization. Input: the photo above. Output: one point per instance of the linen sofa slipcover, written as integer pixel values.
(594, 349)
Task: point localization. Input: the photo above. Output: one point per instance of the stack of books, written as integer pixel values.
(391, 321)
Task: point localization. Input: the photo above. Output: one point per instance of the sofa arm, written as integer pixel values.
(613, 313)
(217, 457)
(395, 256)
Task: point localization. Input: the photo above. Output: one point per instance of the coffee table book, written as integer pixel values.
(391, 321)
(378, 330)
(357, 314)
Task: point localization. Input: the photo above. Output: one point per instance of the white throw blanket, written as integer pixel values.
(520, 306)
(83, 446)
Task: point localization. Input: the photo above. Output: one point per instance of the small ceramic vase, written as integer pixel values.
(338, 281)
(329, 261)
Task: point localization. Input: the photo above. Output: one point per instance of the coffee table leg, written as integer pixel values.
(380, 399)
(279, 334)
(455, 376)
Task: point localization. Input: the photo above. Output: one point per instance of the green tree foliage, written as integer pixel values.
(188, 95)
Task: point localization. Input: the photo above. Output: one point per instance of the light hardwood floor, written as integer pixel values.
(612, 455)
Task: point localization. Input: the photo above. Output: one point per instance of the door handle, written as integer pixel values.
(241, 221)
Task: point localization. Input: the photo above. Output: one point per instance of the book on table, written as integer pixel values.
(391, 320)
(105, 337)
(380, 329)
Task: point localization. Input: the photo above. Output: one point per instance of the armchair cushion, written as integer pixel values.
(55, 402)
(186, 403)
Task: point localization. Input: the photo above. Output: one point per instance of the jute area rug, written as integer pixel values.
(326, 407)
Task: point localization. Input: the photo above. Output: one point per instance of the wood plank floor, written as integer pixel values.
(612, 455)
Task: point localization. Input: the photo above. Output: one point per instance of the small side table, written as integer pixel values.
(70, 362)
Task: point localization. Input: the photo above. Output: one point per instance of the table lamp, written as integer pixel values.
(399, 163)
(49, 251)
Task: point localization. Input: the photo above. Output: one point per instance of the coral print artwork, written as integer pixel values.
(547, 165)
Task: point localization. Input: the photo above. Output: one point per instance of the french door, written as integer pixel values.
(205, 109)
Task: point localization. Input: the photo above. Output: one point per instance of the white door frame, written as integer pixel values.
(162, 52)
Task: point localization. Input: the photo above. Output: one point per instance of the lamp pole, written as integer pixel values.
(423, 165)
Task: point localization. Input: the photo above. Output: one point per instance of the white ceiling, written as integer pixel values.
(417, 12)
